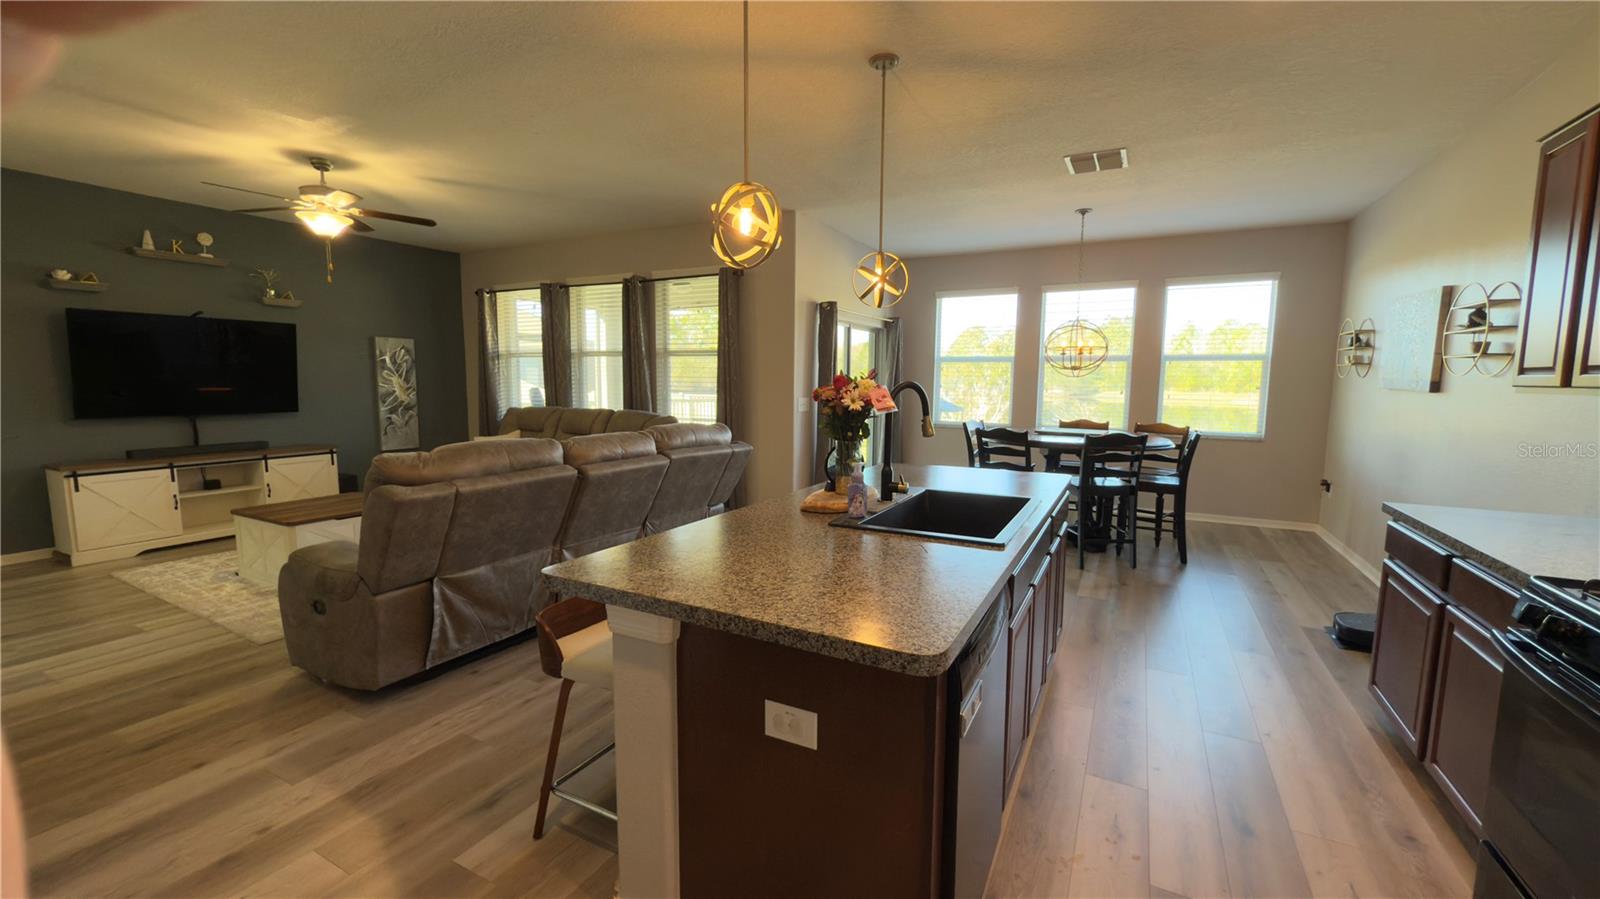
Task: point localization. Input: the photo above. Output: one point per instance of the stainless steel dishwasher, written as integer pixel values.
(975, 762)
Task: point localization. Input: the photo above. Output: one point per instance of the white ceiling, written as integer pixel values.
(518, 122)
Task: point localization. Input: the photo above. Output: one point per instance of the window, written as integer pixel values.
(686, 348)
(1103, 394)
(976, 346)
(857, 345)
(518, 316)
(1214, 355)
(596, 326)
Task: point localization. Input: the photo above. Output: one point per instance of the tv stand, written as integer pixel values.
(118, 508)
(165, 452)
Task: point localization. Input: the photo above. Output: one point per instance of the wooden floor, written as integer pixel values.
(1202, 738)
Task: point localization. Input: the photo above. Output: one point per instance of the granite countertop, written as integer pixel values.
(775, 573)
(1513, 545)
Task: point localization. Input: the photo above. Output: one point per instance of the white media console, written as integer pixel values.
(118, 508)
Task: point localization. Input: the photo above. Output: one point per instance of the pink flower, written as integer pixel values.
(841, 382)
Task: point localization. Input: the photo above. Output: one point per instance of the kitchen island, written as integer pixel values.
(804, 709)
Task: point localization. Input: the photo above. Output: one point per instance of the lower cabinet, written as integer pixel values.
(301, 477)
(1410, 615)
(1466, 692)
(1018, 682)
(124, 507)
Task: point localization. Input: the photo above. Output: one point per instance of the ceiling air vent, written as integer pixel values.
(1097, 161)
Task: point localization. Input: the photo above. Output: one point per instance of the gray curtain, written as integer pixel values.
(827, 367)
(893, 349)
(489, 410)
(639, 344)
(730, 390)
(557, 344)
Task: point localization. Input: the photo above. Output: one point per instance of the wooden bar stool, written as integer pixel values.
(575, 646)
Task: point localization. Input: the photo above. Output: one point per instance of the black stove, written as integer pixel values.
(1542, 820)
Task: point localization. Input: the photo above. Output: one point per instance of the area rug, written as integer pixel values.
(210, 586)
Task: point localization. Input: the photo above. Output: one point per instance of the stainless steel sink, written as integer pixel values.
(949, 515)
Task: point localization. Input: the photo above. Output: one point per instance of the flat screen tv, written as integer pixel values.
(132, 364)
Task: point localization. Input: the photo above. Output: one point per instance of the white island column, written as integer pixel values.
(645, 680)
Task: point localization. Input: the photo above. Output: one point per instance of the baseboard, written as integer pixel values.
(1254, 522)
(31, 555)
(1349, 554)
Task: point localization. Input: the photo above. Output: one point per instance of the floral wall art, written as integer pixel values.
(395, 365)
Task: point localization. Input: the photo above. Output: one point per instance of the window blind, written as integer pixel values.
(518, 315)
(596, 325)
(686, 348)
(1101, 395)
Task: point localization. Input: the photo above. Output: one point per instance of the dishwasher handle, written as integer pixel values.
(970, 706)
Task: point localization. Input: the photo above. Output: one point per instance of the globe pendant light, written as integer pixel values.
(880, 272)
(745, 222)
(1078, 347)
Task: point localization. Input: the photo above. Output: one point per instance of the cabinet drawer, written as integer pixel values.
(1481, 593)
(1426, 559)
(1026, 574)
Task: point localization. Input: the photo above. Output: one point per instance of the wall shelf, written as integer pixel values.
(1476, 314)
(85, 286)
(1354, 348)
(192, 258)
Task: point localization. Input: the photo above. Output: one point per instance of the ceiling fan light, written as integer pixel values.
(323, 223)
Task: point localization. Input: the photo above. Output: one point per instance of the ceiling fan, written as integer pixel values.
(327, 211)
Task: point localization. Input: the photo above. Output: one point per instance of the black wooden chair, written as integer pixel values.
(1173, 482)
(997, 445)
(969, 430)
(1107, 491)
(1067, 463)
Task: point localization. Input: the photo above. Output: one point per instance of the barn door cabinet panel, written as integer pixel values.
(1557, 343)
(1466, 697)
(1404, 646)
(301, 477)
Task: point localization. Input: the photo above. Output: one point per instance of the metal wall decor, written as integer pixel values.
(1477, 315)
(746, 221)
(881, 272)
(1354, 348)
(1079, 347)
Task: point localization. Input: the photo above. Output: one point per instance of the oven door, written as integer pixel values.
(1543, 814)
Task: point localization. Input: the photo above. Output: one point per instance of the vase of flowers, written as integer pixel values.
(845, 408)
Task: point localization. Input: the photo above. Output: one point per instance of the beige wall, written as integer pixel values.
(1463, 217)
(1272, 478)
(767, 323)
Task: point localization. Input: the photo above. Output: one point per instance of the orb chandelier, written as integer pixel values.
(881, 272)
(1079, 347)
(745, 222)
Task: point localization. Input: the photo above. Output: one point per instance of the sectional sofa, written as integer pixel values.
(453, 541)
(562, 422)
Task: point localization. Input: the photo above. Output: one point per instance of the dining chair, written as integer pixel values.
(574, 646)
(969, 430)
(1003, 444)
(1107, 490)
(1067, 463)
(1162, 483)
(1179, 435)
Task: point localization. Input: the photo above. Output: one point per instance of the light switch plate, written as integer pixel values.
(802, 405)
(791, 725)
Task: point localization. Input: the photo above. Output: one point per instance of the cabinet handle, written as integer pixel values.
(174, 500)
(269, 491)
(969, 709)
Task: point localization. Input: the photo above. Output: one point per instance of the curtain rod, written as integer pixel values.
(483, 290)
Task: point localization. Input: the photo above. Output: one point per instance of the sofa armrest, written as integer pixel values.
(324, 572)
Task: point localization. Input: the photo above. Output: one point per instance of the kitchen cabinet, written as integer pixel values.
(1466, 696)
(1557, 344)
(1018, 692)
(1404, 645)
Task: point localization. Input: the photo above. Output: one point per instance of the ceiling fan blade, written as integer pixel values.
(266, 209)
(359, 225)
(249, 191)
(393, 217)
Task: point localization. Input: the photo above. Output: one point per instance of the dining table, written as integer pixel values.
(1056, 442)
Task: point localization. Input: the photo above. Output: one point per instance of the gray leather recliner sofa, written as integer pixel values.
(453, 541)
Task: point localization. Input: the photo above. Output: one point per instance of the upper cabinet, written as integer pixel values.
(1558, 345)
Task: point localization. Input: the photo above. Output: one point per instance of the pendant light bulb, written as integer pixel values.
(881, 278)
(746, 221)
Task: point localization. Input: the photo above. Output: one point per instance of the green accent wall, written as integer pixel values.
(380, 289)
